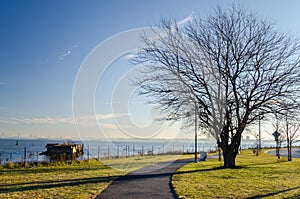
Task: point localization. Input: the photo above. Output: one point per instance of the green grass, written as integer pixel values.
(262, 176)
(78, 180)
(133, 163)
(84, 180)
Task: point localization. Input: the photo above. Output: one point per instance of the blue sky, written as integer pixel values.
(44, 43)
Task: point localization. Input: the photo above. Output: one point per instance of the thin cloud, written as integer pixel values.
(183, 22)
(3, 83)
(164, 33)
(8, 122)
(114, 126)
(47, 120)
(131, 55)
(89, 120)
(110, 116)
(86, 120)
(66, 52)
(186, 20)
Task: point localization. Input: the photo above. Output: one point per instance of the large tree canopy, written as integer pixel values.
(232, 67)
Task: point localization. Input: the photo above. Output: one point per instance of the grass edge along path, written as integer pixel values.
(262, 176)
(85, 179)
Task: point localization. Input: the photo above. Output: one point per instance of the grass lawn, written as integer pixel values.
(79, 180)
(262, 176)
(134, 163)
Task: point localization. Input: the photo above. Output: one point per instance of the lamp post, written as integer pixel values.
(288, 137)
(259, 133)
(276, 137)
(196, 136)
(189, 114)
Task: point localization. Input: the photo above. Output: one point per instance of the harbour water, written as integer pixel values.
(16, 150)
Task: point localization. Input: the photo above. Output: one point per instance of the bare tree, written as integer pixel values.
(254, 134)
(290, 125)
(232, 66)
(278, 134)
(292, 134)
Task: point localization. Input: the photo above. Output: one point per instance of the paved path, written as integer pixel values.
(284, 152)
(149, 182)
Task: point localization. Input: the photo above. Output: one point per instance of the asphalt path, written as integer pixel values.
(284, 152)
(149, 182)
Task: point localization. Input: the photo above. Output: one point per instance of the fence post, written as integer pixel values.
(133, 150)
(24, 156)
(118, 151)
(128, 151)
(108, 151)
(88, 152)
(152, 150)
(98, 153)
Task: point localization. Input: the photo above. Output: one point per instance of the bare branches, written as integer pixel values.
(233, 66)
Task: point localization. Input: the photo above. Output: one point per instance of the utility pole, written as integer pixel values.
(259, 133)
(289, 147)
(196, 134)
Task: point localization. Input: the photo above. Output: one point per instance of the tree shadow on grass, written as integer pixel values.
(53, 184)
(255, 164)
(26, 186)
(52, 169)
(210, 169)
(124, 165)
(275, 193)
(201, 170)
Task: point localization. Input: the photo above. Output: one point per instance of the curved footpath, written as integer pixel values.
(284, 152)
(149, 182)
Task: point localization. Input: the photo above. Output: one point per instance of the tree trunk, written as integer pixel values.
(230, 151)
(278, 149)
(289, 151)
(229, 158)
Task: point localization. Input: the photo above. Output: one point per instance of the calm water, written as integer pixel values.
(15, 150)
